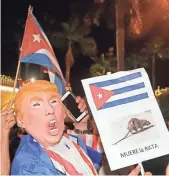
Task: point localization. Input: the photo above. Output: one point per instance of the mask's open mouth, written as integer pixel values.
(52, 126)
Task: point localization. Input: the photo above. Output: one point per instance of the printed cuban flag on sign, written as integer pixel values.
(118, 91)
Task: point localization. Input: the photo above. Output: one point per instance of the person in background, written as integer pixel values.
(157, 165)
(86, 129)
(15, 136)
(167, 171)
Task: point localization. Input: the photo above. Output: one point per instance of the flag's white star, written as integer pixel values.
(100, 95)
(36, 38)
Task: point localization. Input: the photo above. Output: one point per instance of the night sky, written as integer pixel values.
(12, 11)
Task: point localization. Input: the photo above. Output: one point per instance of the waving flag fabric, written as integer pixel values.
(118, 91)
(36, 49)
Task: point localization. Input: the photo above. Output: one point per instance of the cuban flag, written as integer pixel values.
(118, 91)
(66, 164)
(90, 140)
(37, 49)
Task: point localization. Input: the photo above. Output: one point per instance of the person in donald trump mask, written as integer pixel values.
(46, 150)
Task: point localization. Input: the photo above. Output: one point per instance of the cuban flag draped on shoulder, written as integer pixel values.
(37, 49)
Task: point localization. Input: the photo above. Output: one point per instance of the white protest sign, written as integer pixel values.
(128, 117)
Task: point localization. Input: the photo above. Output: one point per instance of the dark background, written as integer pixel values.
(12, 11)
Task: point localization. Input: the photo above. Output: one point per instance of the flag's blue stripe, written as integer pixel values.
(38, 58)
(58, 82)
(124, 101)
(118, 80)
(129, 88)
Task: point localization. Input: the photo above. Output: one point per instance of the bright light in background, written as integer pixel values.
(32, 79)
(8, 89)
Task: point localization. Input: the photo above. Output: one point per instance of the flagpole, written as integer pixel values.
(16, 78)
(30, 9)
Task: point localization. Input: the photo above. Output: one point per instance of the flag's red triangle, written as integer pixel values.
(29, 44)
(100, 96)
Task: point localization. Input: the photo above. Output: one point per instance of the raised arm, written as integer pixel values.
(7, 122)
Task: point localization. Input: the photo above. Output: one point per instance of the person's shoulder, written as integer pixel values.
(30, 159)
(26, 151)
(27, 146)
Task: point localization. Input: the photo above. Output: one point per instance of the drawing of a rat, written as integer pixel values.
(133, 127)
(134, 124)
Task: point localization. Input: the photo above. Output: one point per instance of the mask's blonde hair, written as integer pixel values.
(31, 87)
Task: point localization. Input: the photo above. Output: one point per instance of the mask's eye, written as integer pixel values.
(53, 102)
(36, 104)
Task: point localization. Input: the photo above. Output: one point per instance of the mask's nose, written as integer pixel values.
(49, 109)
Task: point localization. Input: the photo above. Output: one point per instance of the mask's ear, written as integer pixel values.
(65, 115)
(20, 122)
(66, 112)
